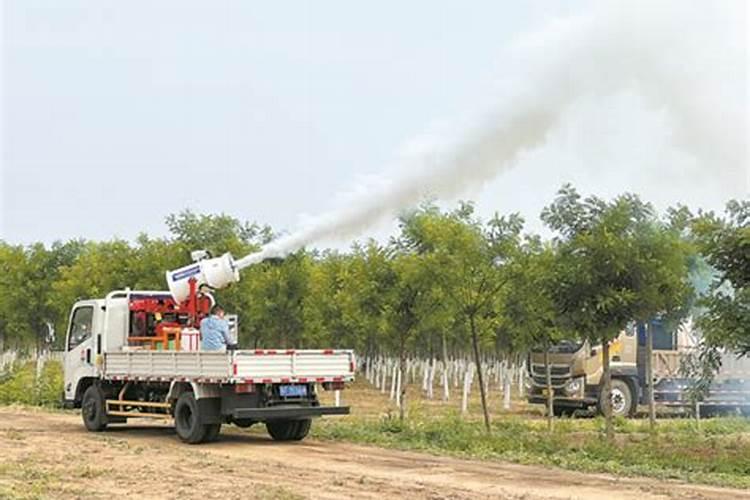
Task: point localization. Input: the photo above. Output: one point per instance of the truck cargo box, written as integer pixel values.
(242, 366)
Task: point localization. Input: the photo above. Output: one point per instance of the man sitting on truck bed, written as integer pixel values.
(215, 331)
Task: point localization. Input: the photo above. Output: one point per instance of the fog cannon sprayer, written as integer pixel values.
(216, 272)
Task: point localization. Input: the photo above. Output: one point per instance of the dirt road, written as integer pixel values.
(46, 454)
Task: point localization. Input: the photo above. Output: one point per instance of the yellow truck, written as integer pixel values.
(576, 369)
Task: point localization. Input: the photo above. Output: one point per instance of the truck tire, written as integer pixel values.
(93, 409)
(212, 433)
(622, 399)
(187, 420)
(288, 430)
(303, 428)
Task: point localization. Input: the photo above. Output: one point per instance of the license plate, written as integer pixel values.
(286, 391)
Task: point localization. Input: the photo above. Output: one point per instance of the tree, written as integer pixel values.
(468, 260)
(617, 264)
(99, 269)
(26, 276)
(216, 232)
(530, 315)
(273, 293)
(725, 242)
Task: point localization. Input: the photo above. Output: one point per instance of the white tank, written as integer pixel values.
(216, 273)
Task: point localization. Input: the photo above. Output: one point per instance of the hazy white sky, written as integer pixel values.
(115, 114)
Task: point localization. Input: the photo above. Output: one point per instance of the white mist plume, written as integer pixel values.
(690, 60)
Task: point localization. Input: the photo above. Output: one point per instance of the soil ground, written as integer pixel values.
(50, 455)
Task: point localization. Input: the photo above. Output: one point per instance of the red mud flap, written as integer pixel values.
(287, 412)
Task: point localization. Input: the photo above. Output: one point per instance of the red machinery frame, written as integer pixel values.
(196, 307)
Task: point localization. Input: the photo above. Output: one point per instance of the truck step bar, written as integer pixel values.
(288, 412)
(118, 410)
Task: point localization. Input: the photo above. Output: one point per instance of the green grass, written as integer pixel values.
(718, 453)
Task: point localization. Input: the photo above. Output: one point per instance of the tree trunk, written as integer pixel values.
(607, 391)
(650, 376)
(478, 362)
(550, 393)
(446, 393)
(402, 379)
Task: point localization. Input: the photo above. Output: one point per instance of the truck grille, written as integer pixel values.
(560, 375)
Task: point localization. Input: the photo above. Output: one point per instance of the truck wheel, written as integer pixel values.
(187, 420)
(93, 409)
(288, 430)
(303, 428)
(212, 432)
(622, 399)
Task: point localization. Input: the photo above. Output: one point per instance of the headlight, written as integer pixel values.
(574, 386)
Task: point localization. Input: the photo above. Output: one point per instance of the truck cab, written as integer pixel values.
(576, 368)
(81, 349)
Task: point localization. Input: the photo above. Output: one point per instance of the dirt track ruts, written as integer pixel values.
(51, 454)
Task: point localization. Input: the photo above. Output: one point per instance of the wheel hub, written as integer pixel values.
(618, 401)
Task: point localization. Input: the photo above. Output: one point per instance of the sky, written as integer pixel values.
(116, 114)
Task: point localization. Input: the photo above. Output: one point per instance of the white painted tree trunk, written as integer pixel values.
(393, 381)
(430, 380)
(384, 375)
(446, 392)
(398, 388)
(507, 388)
(468, 375)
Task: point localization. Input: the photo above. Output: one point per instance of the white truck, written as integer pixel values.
(133, 355)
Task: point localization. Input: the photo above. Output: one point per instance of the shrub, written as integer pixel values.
(21, 386)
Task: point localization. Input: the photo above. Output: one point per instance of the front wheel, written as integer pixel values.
(93, 409)
(289, 430)
(621, 397)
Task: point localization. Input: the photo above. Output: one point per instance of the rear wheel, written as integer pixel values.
(187, 419)
(289, 430)
(303, 428)
(93, 409)
(621, 397)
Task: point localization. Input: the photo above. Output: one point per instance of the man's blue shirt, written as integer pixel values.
(214, 333)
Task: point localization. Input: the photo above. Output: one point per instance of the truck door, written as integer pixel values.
(79, 346)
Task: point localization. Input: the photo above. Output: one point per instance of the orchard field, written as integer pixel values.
(437, 451)
(475, 295)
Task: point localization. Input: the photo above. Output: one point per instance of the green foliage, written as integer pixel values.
(726, 244)
(618, 263)
(445, 276)
(20, 385)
